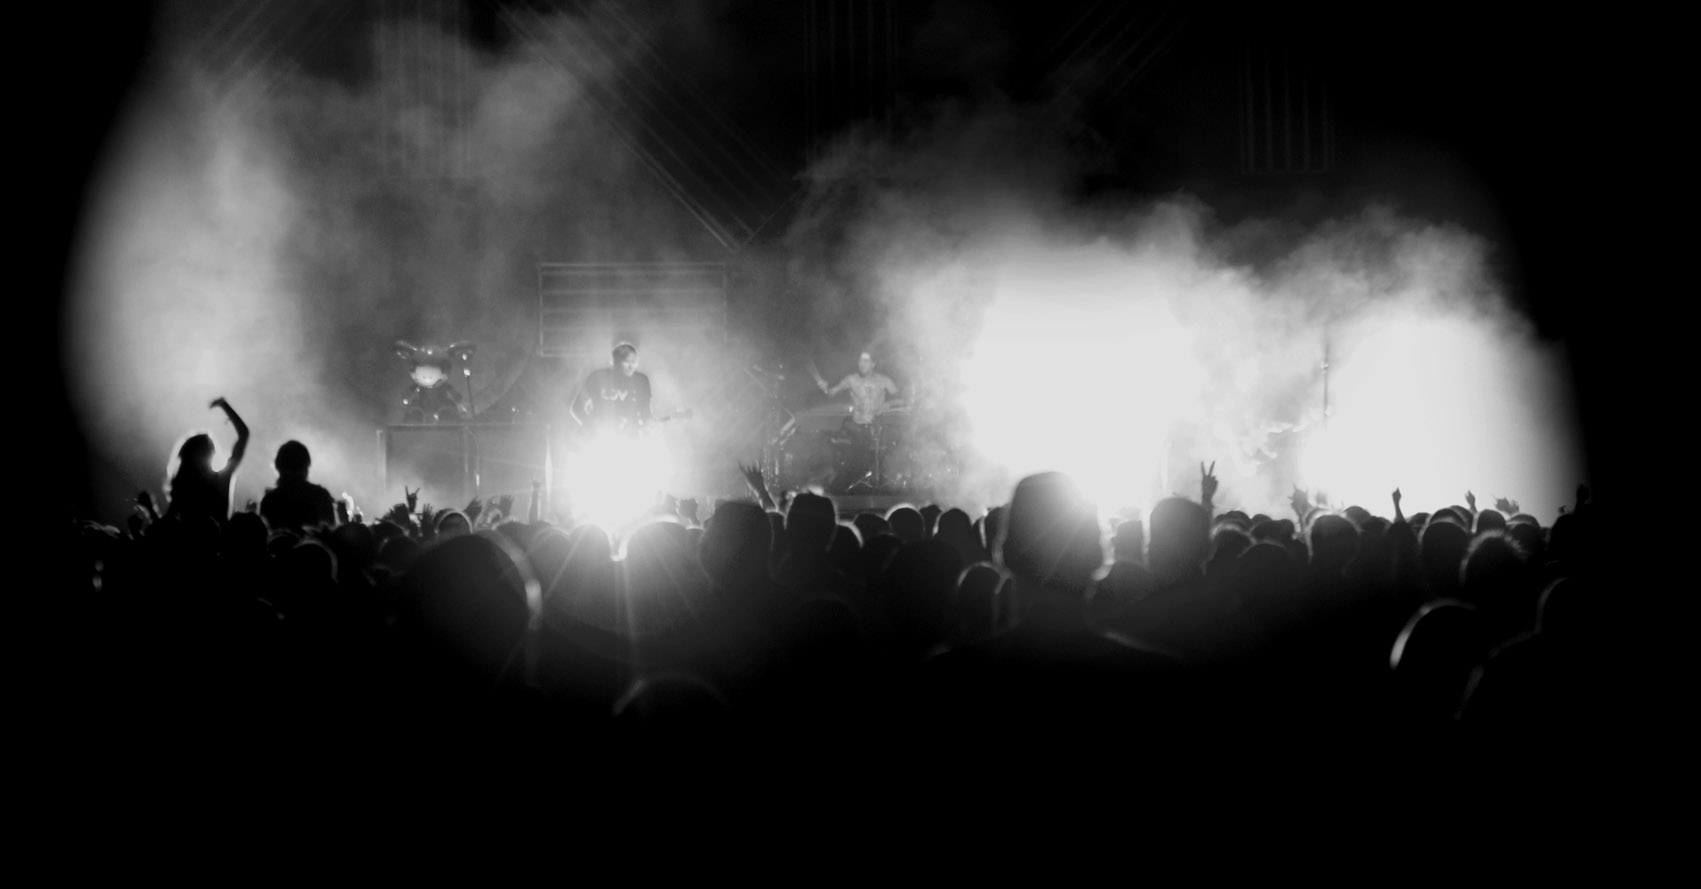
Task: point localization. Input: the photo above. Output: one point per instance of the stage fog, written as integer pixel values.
(268, 238)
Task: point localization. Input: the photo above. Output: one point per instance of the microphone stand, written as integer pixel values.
(472, 466)
(1325, 382)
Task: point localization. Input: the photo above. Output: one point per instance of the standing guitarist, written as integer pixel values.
(616, 397)
(616, 467)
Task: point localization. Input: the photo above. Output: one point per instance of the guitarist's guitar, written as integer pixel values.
(626, 427)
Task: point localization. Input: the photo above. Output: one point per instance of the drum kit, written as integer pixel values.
(823, 447)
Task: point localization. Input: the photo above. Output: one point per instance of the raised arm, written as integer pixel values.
(1301, 503)
(758, 485)
(145, 500)
(241, 447)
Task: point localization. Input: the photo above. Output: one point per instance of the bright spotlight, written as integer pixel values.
(1436, 407)
(1079, 371)
(613, 478)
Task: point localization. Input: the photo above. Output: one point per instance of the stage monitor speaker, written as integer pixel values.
(449, 464)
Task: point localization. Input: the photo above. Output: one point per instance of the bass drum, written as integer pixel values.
(806, 461)
(918, 466)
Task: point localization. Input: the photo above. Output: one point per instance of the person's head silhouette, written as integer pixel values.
(1180, 540)
(196, 453)
(1050, 534)
(292, 460)
(625, 359)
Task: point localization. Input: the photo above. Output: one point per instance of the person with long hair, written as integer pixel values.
(195, 488)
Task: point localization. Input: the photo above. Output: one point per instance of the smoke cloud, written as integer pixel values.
(271, 246)
(1130, 341)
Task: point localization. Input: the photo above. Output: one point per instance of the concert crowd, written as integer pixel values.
(1035, 636)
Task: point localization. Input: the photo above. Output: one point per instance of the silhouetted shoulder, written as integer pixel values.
(1139, 650)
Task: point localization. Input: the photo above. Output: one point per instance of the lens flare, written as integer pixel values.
(614, 478)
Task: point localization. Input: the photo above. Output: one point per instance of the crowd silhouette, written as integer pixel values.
(1033, 636)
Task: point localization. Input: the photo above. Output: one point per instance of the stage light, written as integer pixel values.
(1436, 407)
(613, 479)
(1069, 373)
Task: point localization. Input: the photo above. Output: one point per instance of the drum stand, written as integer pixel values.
(781, 425)
(874, 480)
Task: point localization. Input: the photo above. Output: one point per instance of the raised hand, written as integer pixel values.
(1396, 498)
(474, 510)
(1471, 501)
(1207, 482)
(146, 501)
(219, 402)
(505, 505)
(1300, 501)
(759, 486)
(1506, 505)
(412, 498)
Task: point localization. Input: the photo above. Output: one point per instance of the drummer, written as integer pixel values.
(872, 394)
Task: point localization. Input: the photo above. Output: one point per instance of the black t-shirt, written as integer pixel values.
(615, 399)
(297, 504)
